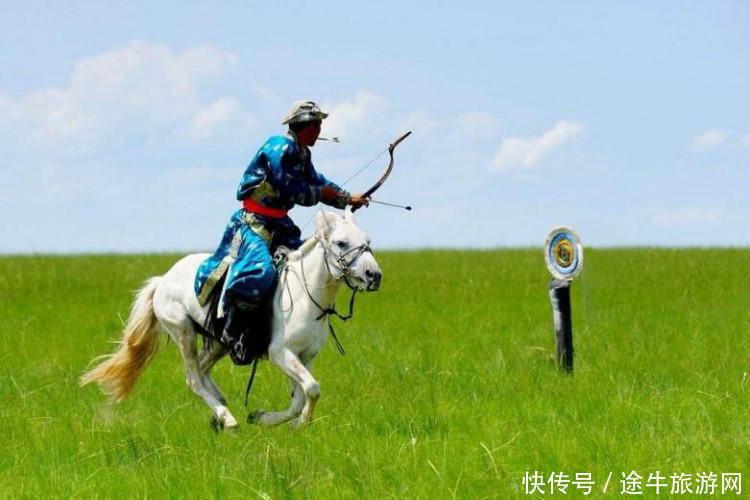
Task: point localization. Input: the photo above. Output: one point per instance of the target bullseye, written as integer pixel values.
(563, 253)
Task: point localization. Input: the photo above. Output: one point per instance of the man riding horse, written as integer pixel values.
(229, 296)
(280, 175)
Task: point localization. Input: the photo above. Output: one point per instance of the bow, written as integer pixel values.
(383, 178)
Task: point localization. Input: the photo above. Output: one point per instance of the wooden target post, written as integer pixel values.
(559, 296)
(563, 254)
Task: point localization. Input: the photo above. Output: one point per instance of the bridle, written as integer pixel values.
(343, 264)
(340, 262)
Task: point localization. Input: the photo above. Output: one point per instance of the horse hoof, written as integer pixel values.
(217, 424)
(299, 423)
(254, 416)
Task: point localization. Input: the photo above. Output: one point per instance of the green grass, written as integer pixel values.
(448, 388)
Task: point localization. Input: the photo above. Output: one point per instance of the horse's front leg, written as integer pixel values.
(279, 417)
(291, 365)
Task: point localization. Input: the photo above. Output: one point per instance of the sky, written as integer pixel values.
(126, 126)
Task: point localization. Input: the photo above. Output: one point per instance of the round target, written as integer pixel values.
(563, 253)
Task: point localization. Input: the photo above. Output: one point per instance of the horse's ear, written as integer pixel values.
(325, 221)
(348, 214)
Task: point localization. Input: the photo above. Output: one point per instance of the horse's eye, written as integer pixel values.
(341, 244)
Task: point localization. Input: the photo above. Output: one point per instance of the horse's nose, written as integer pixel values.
(373, 279)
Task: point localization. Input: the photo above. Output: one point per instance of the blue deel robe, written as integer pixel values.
(280, 175)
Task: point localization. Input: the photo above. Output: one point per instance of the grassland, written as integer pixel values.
(448, 388)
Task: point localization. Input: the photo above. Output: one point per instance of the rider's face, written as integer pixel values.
(309, 134)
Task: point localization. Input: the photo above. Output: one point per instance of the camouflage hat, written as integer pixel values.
(304, 111)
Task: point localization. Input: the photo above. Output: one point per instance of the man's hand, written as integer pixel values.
(329, 194)
(357, 201)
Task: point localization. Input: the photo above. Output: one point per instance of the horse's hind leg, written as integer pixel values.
(206, 361)
(185, 339)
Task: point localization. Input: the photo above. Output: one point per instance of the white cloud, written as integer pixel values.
(526, 152)
(213, 117)
(708, 141)
(349, 118)
(142, 88)
(142, 74)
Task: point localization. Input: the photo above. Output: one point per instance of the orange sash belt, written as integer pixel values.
(256, 208)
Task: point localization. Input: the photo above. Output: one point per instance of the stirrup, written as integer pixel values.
(280, 256)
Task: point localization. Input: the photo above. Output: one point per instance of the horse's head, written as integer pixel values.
(347, 251)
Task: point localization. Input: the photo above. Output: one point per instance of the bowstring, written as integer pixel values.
(355, 174)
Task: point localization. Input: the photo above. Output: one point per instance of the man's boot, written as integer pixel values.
(246, 332)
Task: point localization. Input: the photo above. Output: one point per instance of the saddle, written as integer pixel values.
(245, 328)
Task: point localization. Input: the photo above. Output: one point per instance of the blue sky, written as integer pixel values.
(126, 125)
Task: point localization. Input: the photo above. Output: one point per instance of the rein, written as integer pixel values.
(343, 266)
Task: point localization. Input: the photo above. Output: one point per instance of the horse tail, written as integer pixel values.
(119, 371)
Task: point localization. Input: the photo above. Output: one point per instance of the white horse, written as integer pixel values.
(338, 252)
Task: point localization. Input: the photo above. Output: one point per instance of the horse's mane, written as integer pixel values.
(306, 246)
